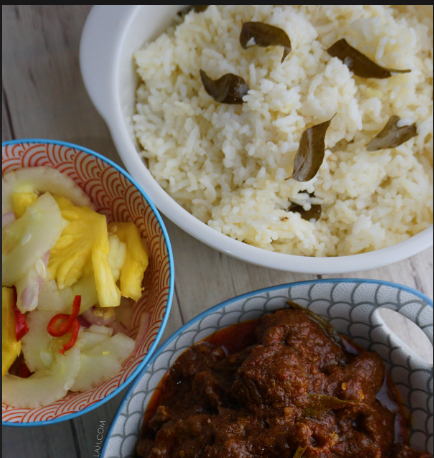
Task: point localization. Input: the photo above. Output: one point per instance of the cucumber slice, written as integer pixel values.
(44, 387)
(87, 340)
(119, 347)
(37, 340)
(41, 179)
(102, 362)
(101, 330)
(86, 288)
(50, 298)
(30, 237)
(95, 370)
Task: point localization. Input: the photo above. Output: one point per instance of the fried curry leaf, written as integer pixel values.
(360, 64)
(229, 88)
(327, 327)
(264, 35)
(392, 135)
(300, 451)
(313, 214)
(195, 8)
(310, 154)
(320, 403)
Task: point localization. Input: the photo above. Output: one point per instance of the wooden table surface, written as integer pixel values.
(43, 97)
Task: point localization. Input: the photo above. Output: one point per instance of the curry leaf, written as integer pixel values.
(392, 135)
(327, 327)
(300, 451)
(360, 64)
(310, 154)
(313, 214)
(229, 88)
(264, 35)
(320, 403)
(195, 8)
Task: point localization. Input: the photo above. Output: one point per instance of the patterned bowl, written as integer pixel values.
(350, 305)
(120, 198)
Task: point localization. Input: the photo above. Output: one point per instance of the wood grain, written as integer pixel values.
(43, 96)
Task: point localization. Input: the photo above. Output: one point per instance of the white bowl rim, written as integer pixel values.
(227, 302)
(169, 297)
(101, 44)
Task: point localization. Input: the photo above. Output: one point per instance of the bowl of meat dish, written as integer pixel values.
(296, 137)
(300, 370)
(87, 281)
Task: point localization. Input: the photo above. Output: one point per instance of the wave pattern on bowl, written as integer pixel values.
(116, 197)
(351, 306)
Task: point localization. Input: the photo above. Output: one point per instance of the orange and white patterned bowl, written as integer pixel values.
(116, 195)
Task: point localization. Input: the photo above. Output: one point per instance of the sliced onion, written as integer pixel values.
(90, 316)
(118, 328)
(46, 258)
(7, 218)
(28, 298)
(29, 287)
(83, 322)
(145, 322)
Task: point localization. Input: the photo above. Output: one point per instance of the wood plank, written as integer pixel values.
(39, 442)
(415, 272)
(42, 80)
(6, 126)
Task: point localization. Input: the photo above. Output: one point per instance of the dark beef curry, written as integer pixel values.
(275, 388)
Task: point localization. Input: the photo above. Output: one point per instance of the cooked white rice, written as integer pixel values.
(227, 164)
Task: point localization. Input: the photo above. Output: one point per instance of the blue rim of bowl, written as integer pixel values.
(235, 299)
(143, 364)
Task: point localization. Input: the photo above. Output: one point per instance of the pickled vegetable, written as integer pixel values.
(30, 237)
(11, 348)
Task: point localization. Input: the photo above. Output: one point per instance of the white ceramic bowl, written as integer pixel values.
(350, 305)
(110, 36)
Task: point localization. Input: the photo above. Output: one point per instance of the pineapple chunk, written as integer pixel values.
(84, 248)
(116, 258)
(136, 259)
(21, 201)
(73, 250)
(109, 294)
(10, 347)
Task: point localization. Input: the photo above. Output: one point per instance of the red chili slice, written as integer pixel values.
(75, 330)
(60, 324)
(24, 371)
(21, 328)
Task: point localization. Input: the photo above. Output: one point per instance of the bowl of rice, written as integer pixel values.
(225, 170)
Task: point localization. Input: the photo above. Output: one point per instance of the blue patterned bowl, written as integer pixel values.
(350, 305)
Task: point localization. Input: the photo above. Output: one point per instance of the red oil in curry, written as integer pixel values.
(235, 338)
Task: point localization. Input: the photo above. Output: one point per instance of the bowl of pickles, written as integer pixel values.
(87, 281)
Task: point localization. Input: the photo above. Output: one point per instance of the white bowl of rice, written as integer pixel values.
(220, 171)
